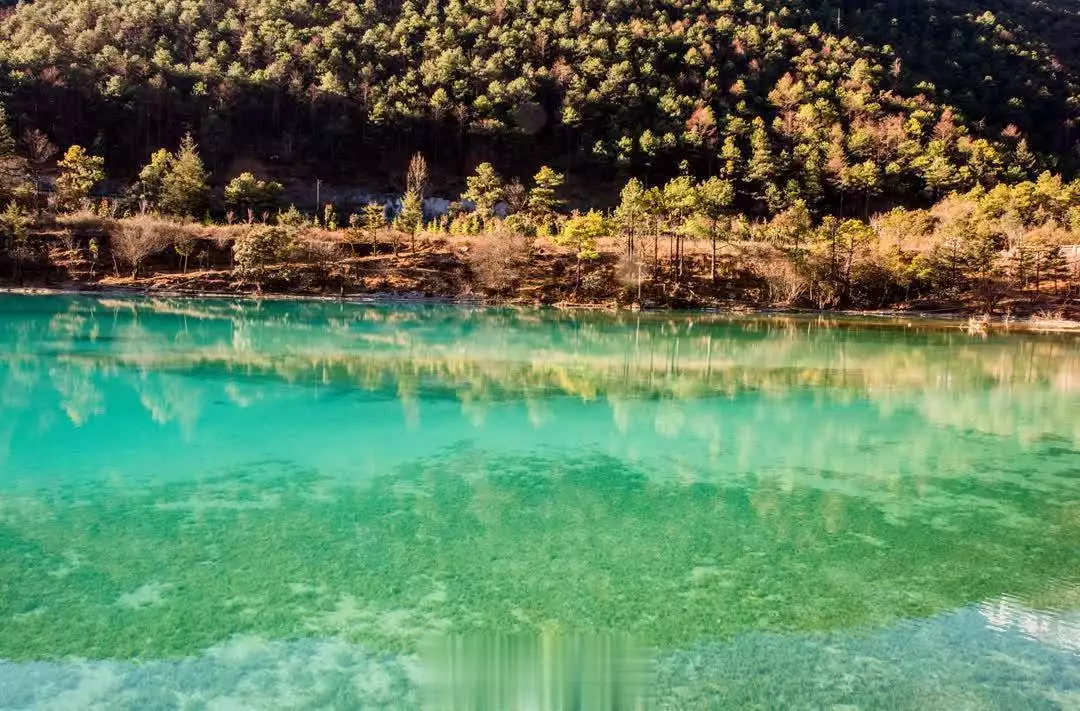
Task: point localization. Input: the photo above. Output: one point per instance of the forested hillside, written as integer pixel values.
(849, 105)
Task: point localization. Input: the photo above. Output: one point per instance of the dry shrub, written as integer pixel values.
(319, 246)
(85, 223)
(135, 239)
(785, 283)
(223, 236)
(499, 260)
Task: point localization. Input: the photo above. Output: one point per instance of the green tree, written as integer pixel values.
(581, 233)
(374, 220)
(15, 237)
(730, 158)
(7, 141)
(630, 215)
(251, 197)
(762, 167)
(184, 188)
(13, 168)
(484, 189)
(680, 201)
(13, 228)
(712, 199)
(79, 173)
(152, 178)
(543, 201)
(258, 249)
(292, 218)
(411, 217)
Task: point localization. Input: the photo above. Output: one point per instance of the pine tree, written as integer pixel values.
(184, 188)
(79, 173)
(250, 196)
(761, 168)
(411, 217)
(630, 214)
(731, 158)
(152, 177)
(484, 189)
(374, 220)
(679, 202)
(712, 198)
(543, 200)
(7, 141)
(580, 233)
(13, 172)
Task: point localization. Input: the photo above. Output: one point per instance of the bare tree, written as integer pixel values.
(140, 237)
(416, 179)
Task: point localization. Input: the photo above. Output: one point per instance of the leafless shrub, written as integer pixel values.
(1053, 320)
(85, 223)
(783, 280)
(135, 239)
(320, 246)
(499, 260)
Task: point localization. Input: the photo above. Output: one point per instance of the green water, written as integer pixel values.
(217, 504)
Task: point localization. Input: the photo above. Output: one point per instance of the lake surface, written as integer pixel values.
(293, 505)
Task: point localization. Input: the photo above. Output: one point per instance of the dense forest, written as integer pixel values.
(677, 152)
(847, 105)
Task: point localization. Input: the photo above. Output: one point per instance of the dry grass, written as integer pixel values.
(1055, 320)
(87, 224)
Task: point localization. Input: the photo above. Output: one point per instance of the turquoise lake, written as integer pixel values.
(216, 504)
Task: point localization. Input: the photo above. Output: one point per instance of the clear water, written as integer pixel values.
(217, 504)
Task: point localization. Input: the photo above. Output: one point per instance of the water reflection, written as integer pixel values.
(182, 476)
(1025, 386)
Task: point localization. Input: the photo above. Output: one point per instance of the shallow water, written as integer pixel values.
(216, 504)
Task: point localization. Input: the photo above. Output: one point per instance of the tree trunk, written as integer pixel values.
(712, 265)
(679, 246)
(656, 250)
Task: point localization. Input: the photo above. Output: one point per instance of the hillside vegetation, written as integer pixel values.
(845, 104)
(672, 153)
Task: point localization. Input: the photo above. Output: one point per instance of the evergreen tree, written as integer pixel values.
(13, 172)
(761, 167)
(543, 202)
(484, 189)
(7, 140)
(251, 197)
(581, 233)
(680, 198)
(630, 215)
(152, 177)
(411, 217)
(184, 188)
(712, 199)
(79, 173)
(731, 158)
(374, 220)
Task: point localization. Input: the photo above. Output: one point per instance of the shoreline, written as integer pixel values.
(947, 317)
